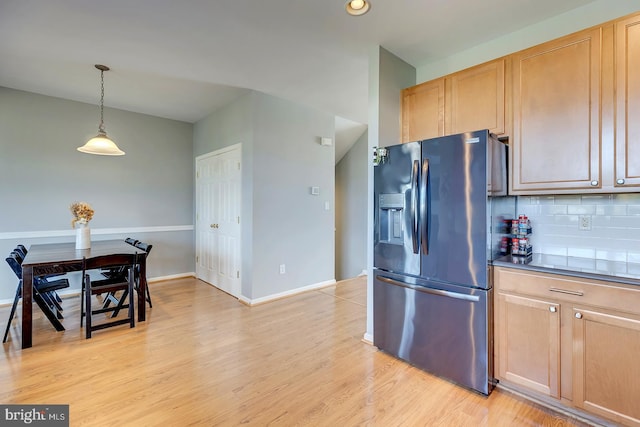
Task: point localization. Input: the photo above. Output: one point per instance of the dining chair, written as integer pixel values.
(111, 298)
(108, 285)
(50, 295)
(42, 295)
(52, 298)
(147, 248)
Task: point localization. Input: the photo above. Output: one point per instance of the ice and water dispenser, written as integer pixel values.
(391, 207)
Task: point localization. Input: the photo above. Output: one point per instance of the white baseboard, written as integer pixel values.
(368, 338)
(171, 277)
(262, 300)
(363, 273)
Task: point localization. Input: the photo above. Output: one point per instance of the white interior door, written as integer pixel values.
(218, 219)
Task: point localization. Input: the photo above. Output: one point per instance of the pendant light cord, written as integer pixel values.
(101, 126)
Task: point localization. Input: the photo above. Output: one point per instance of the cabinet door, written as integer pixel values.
(528, 332)
(627, 44)
(556, 115)
(475, 99)
(423, 111)
(606, 372)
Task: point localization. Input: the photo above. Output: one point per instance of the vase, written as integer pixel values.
(83, 236)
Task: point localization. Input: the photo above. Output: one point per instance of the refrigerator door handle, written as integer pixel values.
(414, 205)
(424, 207)
(440, 292)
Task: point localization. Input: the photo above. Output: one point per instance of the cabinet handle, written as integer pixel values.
(564, 291)
(594, 183)
(552, 309)
(620, 181)
(578, 315)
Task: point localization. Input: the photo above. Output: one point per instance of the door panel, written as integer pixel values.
(395, 199)
(440, 328)
(605, 364)
(529, 342)
(218, 222)
(454, 209)
(627, 170)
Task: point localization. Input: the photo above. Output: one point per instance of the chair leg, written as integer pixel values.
(87, 295)
(82, 301)
(108, 299)
(13, 311)
(132, 321)
(149, 296)
(46, 309)
(121, 303)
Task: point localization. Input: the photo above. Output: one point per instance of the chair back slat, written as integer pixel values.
(144, 246)
(15, 265)
(131, 241)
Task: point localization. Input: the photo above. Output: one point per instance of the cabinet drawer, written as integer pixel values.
(608, 295)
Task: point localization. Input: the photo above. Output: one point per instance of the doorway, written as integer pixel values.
(218, 200)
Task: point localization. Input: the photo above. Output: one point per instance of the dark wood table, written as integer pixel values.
(62, 258)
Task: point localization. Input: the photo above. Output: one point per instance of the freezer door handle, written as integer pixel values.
(424, 207)
(440, 292)
(414, 205)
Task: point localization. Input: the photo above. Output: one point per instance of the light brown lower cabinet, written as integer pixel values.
(530, 343)
(606, 372)
(573, 340)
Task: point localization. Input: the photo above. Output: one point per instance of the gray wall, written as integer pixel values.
(282, 223)
(351, 211)
(146, 194)
(388, 75)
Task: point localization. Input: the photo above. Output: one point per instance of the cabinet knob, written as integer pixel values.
(212, 226)
(594, 183)
(578, 315)
(552, 309)
(620, 181)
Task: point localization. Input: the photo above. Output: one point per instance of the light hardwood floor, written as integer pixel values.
(204, 359)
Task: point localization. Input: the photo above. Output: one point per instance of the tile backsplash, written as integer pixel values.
(613, 219)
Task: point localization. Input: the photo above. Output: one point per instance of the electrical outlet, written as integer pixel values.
(585, 222)
(282, 269)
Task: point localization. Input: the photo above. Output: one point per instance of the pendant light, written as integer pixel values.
(101, 144)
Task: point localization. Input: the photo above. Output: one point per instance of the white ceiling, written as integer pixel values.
(185, 59)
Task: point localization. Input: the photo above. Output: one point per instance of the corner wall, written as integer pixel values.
(351, 211)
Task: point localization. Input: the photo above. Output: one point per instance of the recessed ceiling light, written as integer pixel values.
(357, 7)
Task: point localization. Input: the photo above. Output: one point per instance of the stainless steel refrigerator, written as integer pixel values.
(439, 210)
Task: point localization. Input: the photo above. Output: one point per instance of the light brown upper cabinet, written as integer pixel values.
(423, 111)
(556, 115)
(627, 145)
(468, 100)
(475, 99)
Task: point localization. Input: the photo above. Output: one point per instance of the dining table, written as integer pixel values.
(62, 258)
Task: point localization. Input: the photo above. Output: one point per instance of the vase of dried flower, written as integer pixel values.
(83, 236)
